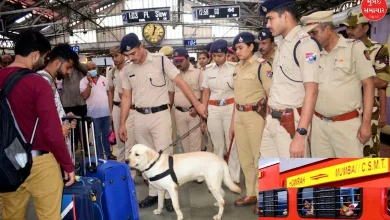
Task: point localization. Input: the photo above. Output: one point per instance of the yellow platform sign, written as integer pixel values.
(344, 171)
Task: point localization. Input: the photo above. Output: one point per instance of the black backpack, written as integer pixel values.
(15, 153)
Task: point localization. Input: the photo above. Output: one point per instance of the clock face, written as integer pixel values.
(154, 33)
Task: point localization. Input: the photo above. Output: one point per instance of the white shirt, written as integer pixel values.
(97, 103)
(57, 100)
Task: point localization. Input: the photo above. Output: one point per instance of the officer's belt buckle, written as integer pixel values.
(147, 110)
(221, 102)
(327, 118)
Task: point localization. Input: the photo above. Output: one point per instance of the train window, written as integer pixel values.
(261, 204)
(330, 202)
(305, 202)
(349, 202)
(388, 201)
(273, 203)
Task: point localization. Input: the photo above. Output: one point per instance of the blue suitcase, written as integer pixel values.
(120, 199)
(83, 200)
(119, 194)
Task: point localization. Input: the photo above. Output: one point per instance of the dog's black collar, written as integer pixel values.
(151, 165)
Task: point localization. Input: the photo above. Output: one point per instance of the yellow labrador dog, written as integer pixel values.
(186, 167)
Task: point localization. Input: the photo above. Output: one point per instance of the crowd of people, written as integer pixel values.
(312, 94)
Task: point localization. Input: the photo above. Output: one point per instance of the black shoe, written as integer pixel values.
(169, 205)
(148, 201)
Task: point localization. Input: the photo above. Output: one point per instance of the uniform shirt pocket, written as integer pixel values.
(249, 82)
(212, 80)
(342, 68)
(157, 80)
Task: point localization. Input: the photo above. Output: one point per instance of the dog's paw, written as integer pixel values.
(216, 204)
(179, 217)
(157, 211)
(217, 217)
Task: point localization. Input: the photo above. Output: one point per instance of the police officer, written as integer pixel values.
(266, 46)
(294, 85)
(218, 94)
(183, 108)
(338, 129)
(248, 117)
(147, 78)
(358, 27)
(114, 98)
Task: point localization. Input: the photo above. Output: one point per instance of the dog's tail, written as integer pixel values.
(228, 180)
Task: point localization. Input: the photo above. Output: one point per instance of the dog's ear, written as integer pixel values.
(149, 155)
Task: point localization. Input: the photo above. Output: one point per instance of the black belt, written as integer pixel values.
(119, 105)
(36, 153)
(183, 109)
(152, 109)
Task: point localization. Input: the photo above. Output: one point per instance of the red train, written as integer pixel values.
(324, 189)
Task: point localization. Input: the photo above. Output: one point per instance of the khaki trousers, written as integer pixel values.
(120, 146)
(248, 127)
(184, 123)
(44, 184)
(218, 123)
(336, 139)
(154, 131)
(276, 141)
(130, 138)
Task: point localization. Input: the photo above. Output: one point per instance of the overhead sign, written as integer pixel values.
(344, 171)
(146, 15)
(191, 42)
(216, 12)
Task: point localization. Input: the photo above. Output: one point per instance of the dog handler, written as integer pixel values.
(147, 77)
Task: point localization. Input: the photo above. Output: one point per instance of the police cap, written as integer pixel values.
(219, 46)
(270, 5)
(243, 37)
(180, 54)
(129, 42)
(355, 19)
(209, 46)
(311, 21)
(264, 34)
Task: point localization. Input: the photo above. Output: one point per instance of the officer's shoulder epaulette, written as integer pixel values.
(303, 36)
(261, 60)
(349, 40)
(157, 54)
(231, 63)
(210, 65)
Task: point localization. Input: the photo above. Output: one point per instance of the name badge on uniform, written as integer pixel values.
(311, 57)
(131, 75)
(212, 77)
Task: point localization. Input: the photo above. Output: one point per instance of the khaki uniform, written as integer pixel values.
(114, 76)
(287, 89)
(206, 139)
(220, 82)
(379, 55)
(248, 126)
(339, 92)
(150, 89)
(185, 122)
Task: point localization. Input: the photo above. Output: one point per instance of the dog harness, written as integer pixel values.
(170, 170)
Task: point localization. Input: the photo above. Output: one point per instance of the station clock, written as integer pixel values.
(153, 33)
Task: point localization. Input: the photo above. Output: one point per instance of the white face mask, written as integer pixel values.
(93, 73)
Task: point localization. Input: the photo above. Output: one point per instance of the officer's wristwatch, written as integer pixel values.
(302, 131)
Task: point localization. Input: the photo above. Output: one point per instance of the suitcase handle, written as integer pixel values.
(87, 119)
(71, 118)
